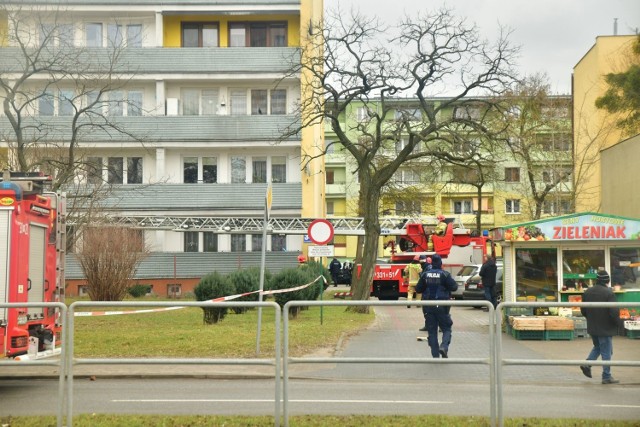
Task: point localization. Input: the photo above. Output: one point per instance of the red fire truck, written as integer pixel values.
(31, 264)
(456, 246)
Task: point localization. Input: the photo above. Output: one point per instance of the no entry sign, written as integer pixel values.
(320, 231)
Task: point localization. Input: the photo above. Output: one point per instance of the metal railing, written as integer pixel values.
(282, 361)
(490, 361)
(59, 363)
(71, 361)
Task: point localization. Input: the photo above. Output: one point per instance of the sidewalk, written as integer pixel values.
(394, 334)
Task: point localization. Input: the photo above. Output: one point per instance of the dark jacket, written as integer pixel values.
(436, 283)
(601, 321)
(335, 266)
(488, 273)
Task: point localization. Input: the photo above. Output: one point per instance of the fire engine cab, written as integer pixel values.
(31, 263)
(455, 245)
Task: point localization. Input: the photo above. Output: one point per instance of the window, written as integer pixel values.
(210, 241)
(83, 290)
(408, 114)
(199, 34)
(258, 101)
(556, 207)
(278, 242)
(191, 243)
(408, 207)
(279, 169)
(134, 35)
(512, 206)
(238, 243)
(116, 102)
(190, 170)
(546, 176)
(209, 170)
(115, 170)
(259, 170)
(174, 290)
(192, 166)
(463, 206)
(330, 208)
(278, 102)
(329, 176)
(134, 170)
(93, 35)
(238, 102)
(362, 114)
(467, 112)
(65, 103)
(190, 102)
(257, 34)
(46, 104)
(199, 102)
(407, 176)
(134, 103)
(209, 102)
(238, 170)
(512, 174)
(256, 243)
(114, 35)
(94, 170)
(55, 35)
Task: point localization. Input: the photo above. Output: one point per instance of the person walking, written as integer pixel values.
(437, 284)
(488, 273)
(602, 325)
(334, 268)
(411, 274)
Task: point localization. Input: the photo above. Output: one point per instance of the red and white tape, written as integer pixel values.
(227, 298)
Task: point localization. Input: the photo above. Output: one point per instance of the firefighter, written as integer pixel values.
(411, 274)
(441, 228)
(437, 284)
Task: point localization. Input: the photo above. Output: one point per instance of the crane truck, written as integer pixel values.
(456, 245)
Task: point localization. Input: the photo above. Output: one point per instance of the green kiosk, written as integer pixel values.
(557, 258)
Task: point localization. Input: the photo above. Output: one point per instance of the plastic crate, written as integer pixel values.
(633, 333)
(579, 322)
(558, 335)
(528, 335)
(519, 311)
(632, 324)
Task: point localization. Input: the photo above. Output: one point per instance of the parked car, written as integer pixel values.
(465, 273)
(474, 289)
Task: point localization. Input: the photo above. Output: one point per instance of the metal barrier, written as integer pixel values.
(282, 360)
(533, 362)
(491, 361)
(60, 363)
(71, 361)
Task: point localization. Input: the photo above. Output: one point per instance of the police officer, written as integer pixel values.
(437, 284)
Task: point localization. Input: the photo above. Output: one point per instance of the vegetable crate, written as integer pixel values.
(528, 334)
(633, 328)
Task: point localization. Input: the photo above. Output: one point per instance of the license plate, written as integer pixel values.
(473, 286)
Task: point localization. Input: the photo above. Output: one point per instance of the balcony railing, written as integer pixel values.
(137, 61)
(160, 128)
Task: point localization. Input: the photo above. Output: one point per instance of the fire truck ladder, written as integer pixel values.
(242, 225)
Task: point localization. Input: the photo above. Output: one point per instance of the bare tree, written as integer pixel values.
(350, 67)
(55, 94)
(538, 136)
(109, 258)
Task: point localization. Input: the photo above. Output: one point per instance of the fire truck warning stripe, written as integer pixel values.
(227, 298)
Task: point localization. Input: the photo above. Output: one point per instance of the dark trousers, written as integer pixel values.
(438, 317)
(490, 295)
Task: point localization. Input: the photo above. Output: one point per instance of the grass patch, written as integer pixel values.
(182, 333)
(304, 421)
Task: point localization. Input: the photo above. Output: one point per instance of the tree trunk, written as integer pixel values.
(361, 286)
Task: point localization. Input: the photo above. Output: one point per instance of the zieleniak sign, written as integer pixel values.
(584, 226)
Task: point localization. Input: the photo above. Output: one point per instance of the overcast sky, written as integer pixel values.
(553, 34)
